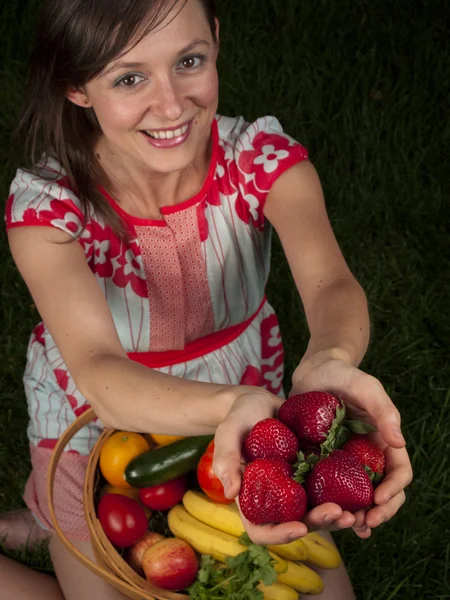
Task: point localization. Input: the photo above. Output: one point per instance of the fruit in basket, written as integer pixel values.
(136, 553)
(165, 495)
(163, 440)
(208, 480)
(269, 493)
(170, 564)
(340, 478)
(166, 462)
(321, 552)
(210, 541)
(131, 492)
(226, 517)
(117, 451)
(123, 520)
(270, 438)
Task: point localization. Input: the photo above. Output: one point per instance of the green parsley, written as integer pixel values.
(238, 580)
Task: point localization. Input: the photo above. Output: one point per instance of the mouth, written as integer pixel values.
(167, 134)
(168, 138)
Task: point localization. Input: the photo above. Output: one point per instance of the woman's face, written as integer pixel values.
(155, 104)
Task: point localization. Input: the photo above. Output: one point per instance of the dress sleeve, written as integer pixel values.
(263, 152)
(43, 198)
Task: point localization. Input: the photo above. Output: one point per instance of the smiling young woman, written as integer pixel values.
(143, 232)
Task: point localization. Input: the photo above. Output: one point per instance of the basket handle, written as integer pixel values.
(68, 434)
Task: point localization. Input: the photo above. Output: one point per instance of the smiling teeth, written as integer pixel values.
(167, 135)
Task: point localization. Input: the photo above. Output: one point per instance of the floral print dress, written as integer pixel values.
(187, 292)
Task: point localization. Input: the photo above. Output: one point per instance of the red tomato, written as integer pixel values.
(165, 495)
(123, 519)
(210, 484)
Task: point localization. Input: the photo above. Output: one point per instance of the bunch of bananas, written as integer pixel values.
(214, 529)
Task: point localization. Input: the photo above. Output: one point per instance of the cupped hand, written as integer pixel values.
(245, 412)
(366, 400)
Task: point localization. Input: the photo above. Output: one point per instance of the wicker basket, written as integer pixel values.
(110, 565)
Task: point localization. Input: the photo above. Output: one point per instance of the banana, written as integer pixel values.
(207, 540)
(301, 578)
(278, 591)
(226, 517)
(322, 553)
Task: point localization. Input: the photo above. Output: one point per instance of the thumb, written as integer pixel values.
(227, 458)
(387, 420)
(382, 411)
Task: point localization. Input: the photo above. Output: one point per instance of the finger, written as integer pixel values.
(227, 458)
(323, 516)
(360, 519)
(363, 532)
(273, 534)
(373, 397)
(345, 521)
(399, 475)
(380, 514)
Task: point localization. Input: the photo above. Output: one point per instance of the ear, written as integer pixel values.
(78, 97)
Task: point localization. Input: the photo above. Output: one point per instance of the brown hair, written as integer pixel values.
(76, 40)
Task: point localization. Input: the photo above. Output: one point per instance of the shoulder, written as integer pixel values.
(251, 157)
(43, 196)
(259, 150)
(242, 135)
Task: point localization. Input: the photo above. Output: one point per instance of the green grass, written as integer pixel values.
(365, 86)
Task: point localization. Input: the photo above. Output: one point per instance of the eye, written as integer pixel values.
(129, 80)
(190, 63)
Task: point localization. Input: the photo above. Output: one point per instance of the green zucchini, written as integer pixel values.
(166, 462)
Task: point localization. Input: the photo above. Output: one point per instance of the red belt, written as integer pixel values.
(192, 350)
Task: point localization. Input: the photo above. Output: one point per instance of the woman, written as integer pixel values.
(143, 235)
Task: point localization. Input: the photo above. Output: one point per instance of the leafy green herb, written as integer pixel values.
(238, 579)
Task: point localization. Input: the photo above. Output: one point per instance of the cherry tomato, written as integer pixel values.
(165, 495)
(123, 519)
(210, 484)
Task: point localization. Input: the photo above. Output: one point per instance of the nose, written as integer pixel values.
(167, 100)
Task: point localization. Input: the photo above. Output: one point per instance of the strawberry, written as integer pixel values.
(270, 438)
(367, 452)
(340, 478)
(269, 494)
(310, 416)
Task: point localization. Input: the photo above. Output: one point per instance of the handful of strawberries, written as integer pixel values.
(310, 454)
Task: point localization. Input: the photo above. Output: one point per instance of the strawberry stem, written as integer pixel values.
(304, 466)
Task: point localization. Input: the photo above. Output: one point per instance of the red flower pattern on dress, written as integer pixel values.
(251, 376)
(226, 172)
(263, 162)
(272, 353)
(249, 207)
(62, 378)
(129, 269)
(38, 332)
(103, 247)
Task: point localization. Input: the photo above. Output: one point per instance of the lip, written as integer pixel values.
(169, 143)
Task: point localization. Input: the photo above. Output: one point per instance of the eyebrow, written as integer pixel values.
(139, 65)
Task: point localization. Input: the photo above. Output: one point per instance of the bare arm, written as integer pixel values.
(124, 394)
(334, 302)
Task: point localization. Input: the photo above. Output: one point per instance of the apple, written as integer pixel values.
(170, 564)
(136, 553)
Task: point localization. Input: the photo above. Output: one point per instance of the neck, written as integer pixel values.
(142, 192)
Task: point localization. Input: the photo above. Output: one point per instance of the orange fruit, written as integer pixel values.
(131, 492)
(163, 440)
(117, 452)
